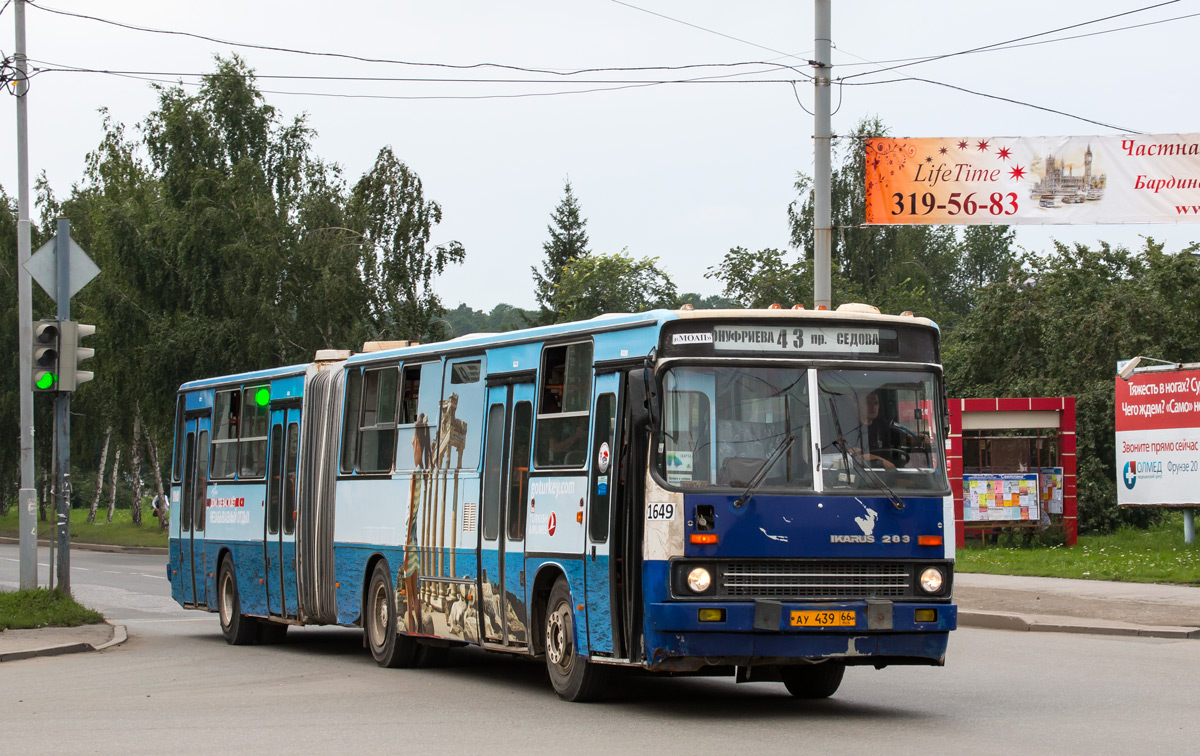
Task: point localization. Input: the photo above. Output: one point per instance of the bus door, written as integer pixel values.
(192, 510)
(600, 572)
(507, 451)
(280, 540)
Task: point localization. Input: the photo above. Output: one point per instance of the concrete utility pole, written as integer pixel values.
(27, 498)
(822, 135)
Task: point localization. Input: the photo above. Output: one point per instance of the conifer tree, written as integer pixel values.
(568, 242)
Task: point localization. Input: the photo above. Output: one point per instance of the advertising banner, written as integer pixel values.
(1034, 180)
(1158, 439)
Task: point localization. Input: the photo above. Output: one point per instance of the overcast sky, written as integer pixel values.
(682, 172)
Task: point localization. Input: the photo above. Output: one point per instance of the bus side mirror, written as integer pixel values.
(644, 406)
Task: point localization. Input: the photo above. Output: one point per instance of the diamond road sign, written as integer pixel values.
(43, 266)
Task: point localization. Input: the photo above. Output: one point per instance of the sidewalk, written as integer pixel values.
(1008, 602)
(53, 641)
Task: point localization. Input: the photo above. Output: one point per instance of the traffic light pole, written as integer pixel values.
(62, 415)
(27, 497)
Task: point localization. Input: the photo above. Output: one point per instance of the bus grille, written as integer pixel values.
(792, 579)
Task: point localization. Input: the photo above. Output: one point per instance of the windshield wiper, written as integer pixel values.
(761, 474)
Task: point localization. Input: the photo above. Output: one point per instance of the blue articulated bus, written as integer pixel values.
(753, 493)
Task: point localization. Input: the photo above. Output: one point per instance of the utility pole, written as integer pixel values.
(27, 498)
(822, 136)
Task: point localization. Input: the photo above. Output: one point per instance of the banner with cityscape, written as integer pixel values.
(1034, 180)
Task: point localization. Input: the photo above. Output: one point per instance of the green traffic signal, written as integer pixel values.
(45, 381)
(262, 396)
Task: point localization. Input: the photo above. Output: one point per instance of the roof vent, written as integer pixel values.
(379, 346)
(331, 355)
(858, 307)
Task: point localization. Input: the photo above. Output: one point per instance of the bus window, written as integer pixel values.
(878, 429)
(350, 419)
(252, 449)
(289, 483)
(180, 428)
(200, 486)
(273, 485)
(420, 394)
(606, 423)
(377, 428)
(465, 372)
(492, 472)
(518, 474)
(189, 482)
(563, 401)
(227, 407)
(409, 393)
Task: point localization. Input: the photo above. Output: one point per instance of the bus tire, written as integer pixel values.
(573, 677)
(812, 681)
(389, 648)
(271, 632)
(238, 629)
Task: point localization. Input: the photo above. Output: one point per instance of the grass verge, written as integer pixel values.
(1154, 555)
(42, 607)
(120, 532)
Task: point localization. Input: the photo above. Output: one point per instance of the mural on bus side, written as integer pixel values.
(432, 597)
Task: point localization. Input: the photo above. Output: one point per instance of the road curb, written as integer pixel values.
(119, 635)
(1046, 624)
(156, 550)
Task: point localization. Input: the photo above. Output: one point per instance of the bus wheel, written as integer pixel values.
(238, 629)
(813, 680)
(271, 632)
(574, 679)
(389, 648)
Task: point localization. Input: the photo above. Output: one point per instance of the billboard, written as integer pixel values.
(1158, 438)
(1034, 180)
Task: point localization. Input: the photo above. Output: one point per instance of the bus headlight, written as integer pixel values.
(699, 580)
(932, 579)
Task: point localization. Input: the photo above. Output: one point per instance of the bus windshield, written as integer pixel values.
(878, 428)
(721, 424)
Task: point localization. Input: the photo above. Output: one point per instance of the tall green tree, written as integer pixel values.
(226, 244)
(598, 284)
(394, 221)
(568, 242)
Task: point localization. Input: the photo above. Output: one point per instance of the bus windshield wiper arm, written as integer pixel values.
(761, 474)
(897, 502)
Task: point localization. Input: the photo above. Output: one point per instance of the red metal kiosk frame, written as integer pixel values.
(1016, 409)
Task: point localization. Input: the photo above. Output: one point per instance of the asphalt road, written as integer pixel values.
(176, 687)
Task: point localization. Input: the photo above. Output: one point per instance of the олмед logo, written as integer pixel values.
(1130, 475)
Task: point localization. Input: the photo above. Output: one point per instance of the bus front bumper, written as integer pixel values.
(771, 632)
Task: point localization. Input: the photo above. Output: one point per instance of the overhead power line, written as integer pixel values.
(1009, 41)
(995, 97)
(714, 31)
(1002, 46)
(393, 61)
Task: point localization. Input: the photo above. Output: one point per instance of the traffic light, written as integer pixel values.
(71, 354)
(45, 355)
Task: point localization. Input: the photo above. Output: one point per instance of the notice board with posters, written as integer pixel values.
(1004, 497)
(1052, 490)
(1158, 439)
